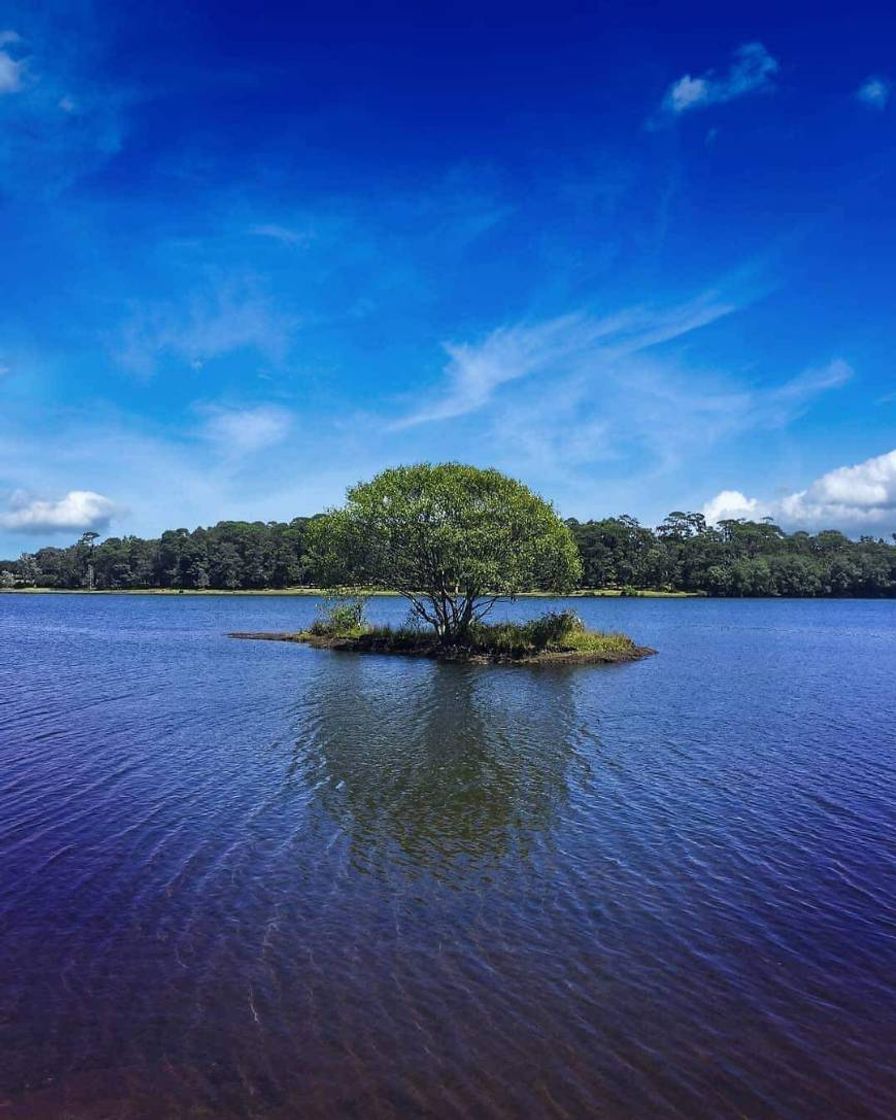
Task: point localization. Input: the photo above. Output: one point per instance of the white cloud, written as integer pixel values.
(207, 326)
(547, 399)
(12, 70)
(752, 71)
(78, 511)
(244, 430)
(857, 497)
(164, 480)
(60, 121)
(728, 504)
(874, 92)
(859, 494)
(283, 234)
(777, 406)
(475, 372)
(810, 382)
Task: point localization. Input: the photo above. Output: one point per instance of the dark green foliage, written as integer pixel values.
(451, 538)
(340, 616)
(551, 628)
(737, 558)
(229, 556)
(516, 639)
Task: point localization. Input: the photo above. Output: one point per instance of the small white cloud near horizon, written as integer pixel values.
(752, 70)
(862, 496)
(244, 430)
(728, 504)
(77, 511)
(874, 92)
(11, 70)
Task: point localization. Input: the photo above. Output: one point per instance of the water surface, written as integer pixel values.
(248, 879)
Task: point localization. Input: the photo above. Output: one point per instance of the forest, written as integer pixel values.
(735, 558)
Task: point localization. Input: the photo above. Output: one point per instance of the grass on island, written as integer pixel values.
(557, 635)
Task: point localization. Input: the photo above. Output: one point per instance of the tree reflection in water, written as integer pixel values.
(438, 766)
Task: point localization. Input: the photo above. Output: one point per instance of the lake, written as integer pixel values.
(252, 879)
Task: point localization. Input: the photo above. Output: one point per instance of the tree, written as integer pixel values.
(87, 544)
(452, 539)
(29, 570)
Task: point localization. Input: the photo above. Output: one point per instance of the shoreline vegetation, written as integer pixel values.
(682, 556)
(322, 592)
(551, 639)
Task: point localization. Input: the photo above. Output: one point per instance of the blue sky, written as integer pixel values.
(639, 256)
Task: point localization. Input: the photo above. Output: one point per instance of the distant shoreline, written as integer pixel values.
(607, 593)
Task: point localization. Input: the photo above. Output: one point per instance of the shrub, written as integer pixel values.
(555, 632)
(505, 639)
(594, 641)
(339, 618)
(552, 628)
(516, 639)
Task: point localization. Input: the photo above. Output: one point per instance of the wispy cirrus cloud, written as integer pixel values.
(784, 402)
(644, 419)
(676, 411)
(549, 399)
(201, 328)
(874, 92)
(475, 372)
(861, 496)
(57, 120)
(245, 430)
(284, 234)
(12, 70)
(752, 70)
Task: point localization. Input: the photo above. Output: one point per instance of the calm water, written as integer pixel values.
(257, 880)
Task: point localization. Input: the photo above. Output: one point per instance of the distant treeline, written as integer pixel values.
(736, 558)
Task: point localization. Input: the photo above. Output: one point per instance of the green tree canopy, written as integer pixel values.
(452, 539)
(683, 554)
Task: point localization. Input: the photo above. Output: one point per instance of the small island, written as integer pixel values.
(552, 638)
(454, 541)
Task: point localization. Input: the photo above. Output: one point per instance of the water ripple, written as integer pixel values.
(245, 880)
